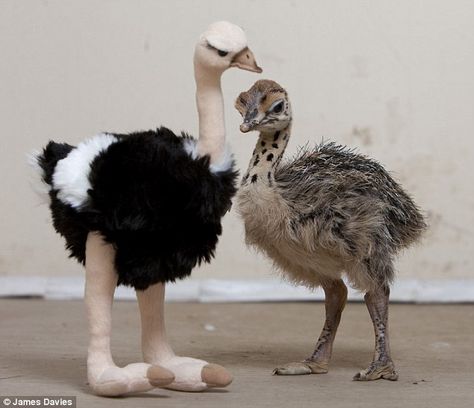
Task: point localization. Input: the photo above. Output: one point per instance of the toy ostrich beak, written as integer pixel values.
(246, 60)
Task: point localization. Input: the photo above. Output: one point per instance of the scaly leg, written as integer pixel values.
(382, 364)
(104, 376)
(336, 296)
(190, 374)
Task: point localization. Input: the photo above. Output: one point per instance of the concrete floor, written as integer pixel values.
(43, 348)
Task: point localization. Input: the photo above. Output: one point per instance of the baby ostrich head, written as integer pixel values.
(224, 45)
(265, 107)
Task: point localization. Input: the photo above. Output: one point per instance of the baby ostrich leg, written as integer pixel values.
(191, 374)
(104, 376)
(318, 363)
(382, 364)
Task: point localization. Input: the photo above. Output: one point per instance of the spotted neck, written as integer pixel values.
(266, 157)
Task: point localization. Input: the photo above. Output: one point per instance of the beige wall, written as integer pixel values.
(394, 79)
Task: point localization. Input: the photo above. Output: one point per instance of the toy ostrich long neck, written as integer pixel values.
(209, 98)
(210, 105)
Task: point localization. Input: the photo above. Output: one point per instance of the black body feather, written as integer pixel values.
(159, 207)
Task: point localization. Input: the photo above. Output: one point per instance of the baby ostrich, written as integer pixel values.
(327, 211)
(143, 209)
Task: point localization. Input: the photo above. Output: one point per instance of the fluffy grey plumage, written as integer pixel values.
(353, 206)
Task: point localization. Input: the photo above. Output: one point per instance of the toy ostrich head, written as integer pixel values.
(224, 45)
(265, 107)
(221, 46)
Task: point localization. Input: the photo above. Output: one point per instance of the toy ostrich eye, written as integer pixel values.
(220, 52)
(278, 107)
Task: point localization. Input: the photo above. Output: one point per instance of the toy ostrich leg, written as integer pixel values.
(143, 209)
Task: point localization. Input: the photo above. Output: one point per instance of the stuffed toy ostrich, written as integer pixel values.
(327, 211)
(143, 209)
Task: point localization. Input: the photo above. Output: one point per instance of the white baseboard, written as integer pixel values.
(216, 290)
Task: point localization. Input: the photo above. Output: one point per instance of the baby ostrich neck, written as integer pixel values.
(266, 157)
(210, 105)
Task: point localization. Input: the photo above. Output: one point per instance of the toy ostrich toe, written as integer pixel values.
(143, 209)
(327, 212)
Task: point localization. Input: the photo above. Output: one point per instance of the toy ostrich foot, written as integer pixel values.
(302, 368)
(133, 378)
(192, 374)
(378, 370)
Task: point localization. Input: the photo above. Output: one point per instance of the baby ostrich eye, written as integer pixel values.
(278, 107)
(222, 53)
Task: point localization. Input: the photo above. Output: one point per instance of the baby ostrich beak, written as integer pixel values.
(245, 127)
(251, 120)
(248, 125)
(246, 60)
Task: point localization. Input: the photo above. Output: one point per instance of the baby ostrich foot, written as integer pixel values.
(196, 375)
(302, 368)
(318, 363)
(137, 377)
(377, 370)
